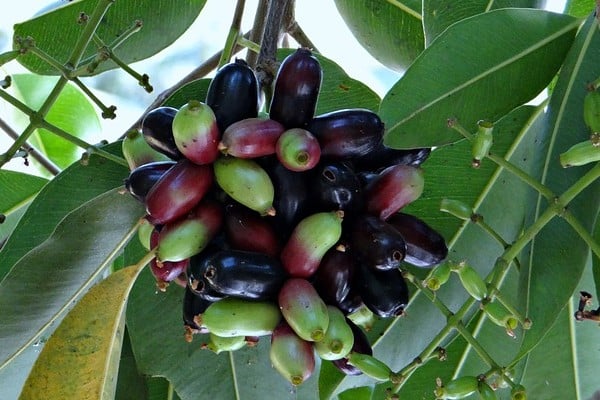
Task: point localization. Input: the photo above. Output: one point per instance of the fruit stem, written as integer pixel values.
(107, 112)
(495, 293)
(234, 33)
(8, 56)
(583, 233)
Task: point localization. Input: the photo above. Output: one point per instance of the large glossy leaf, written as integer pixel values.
(390, 31)
(67, 191)
(18, 190)
(438, 15)
(61, 268)
(448, 174)
(81, 358)
(564, 364)
(72, 112)
(479, 68)
(57, 31)
(558, 254)
(155, 322)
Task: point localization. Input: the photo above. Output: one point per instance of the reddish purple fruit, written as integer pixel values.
(385, 293)
(178, 191)
(334, 276)
(303, 309)
(309, 242)
(291, 356)
(141, 179)
(196, 133)
(251, 137)
(296, 89)
(167, 271)
(298, 150)
(246, 230)
(394, 188)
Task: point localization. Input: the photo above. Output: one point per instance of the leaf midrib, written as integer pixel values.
(406, 9)
(488, 72)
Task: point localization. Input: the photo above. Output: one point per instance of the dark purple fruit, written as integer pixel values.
(141, 179)
(192, 307)
(385, 293)
(296, 89)
(347, 133)
(233, 94)
(196, 133)
(251, 138)
(378, 244)
(337, 187)
(291, 198)
(291, 356)
(167, 272)
(382, 157)
(298, 150)
(303, 309)
(361, 345)
(245, 274)
(178, 191)
(334, 276)
(425, 247)
(158, 132)
(310, 240)
(246, 230)
(352, 302)
(197, 283)
(394, 188)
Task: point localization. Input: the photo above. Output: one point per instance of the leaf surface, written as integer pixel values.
(162, 24)
(390, 31)
(62, 267)
(479, 68)
(81, 358)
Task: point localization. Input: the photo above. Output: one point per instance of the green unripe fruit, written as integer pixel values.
(144, 232)
(591, 110)
(291, 356)
(482, 142)
(218, 344)
(232, 316)
(518, 393)
(370, 366)
(456, 208)
(458, 388)
(439, 275)
(338, 340)
(486, 392)
(471, 281)
(303, 309)
(246, 182)
(137, 151)
(499, 315)
(580, 154)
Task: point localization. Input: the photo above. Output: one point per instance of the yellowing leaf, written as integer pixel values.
(80, 360)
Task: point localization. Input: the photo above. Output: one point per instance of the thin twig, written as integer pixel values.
(296, 31)
(234, 33)
(258, 29)
(32, 151)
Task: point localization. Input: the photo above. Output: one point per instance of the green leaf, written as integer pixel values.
(502, 199)
(439, 15)
(51, 205)
(72, 112)
(194, 90)
(130, 383)
(558, 254)
(18, 190)
(569, 369)
(390, 31)
(580, 8)
(360, 393)
(162, 23)
(62, 267)
(469, 74)
(155, 322)
(81, 358)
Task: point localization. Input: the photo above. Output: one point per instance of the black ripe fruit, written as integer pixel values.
(233, 94)
(347, 133)
(378, 244)
(141, 179)
(158, 132)
(385, 293)
(337, 187)
(296, 89)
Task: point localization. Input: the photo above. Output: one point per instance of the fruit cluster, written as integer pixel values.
(281, 224)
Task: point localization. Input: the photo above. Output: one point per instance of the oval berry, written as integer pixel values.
(141, 179)
(291, 356)
(298, 150)
(240, 317)
(196, 133)
(137, 151)
(303, 309)
(157, 128)
(251, 138)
